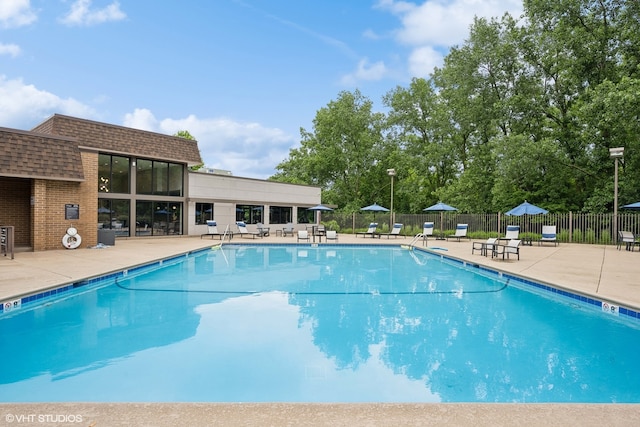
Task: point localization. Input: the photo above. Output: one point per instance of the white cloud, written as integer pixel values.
(9, 49)
(246, 149)
(423, 60)
(446, 23)
(365, 71)
(82, 14)
(16, 13)
(435, 26)
(20, 104)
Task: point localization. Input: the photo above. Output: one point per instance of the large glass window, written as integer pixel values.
(280, 214)
(250, 214)
(175, 179)
(204, 212)
(113, 174)
(162, 178)
(158, 218)
(305, 216)
(114, 214)
(144, 176)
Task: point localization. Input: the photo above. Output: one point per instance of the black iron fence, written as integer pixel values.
(570, 227)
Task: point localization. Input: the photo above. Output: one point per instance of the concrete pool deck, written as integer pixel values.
(599, 271)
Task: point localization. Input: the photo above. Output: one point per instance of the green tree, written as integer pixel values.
(186, 135)
(342, 154)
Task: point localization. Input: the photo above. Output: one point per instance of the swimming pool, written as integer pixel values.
(316, 324)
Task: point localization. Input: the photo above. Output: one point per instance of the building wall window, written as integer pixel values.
(280, 214)
(305, 216)
(113, 174)
(159, 178)
(204, 212)
(250, 214)
(114, 214)
(158, 218)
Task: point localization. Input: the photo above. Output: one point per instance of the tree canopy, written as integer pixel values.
(526, 108)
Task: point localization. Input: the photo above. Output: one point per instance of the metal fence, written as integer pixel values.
(571, 227)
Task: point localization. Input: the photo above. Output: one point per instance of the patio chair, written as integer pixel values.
(513, 247)
(628, 239)
(242, 230)
(461, 232)
(303, 235)
(264, 231)
(549, 235)
(395, 231)
(287, 230)
(370, 232)
(331, 235)
(484, 247)
(212, 230)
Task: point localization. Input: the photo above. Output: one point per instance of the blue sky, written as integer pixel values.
(242, 76)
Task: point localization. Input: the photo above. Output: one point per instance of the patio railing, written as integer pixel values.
(571, 227)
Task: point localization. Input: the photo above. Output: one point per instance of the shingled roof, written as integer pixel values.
(119, 139)
(33, 155)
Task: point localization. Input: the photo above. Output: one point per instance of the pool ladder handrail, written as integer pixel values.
(226, 233)
(416, 238)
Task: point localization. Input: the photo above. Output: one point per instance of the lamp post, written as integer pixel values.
(616, 154)
(392, 173)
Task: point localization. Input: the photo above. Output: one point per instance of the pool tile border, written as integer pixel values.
(66, 288)
(60, 290)
(620, 310)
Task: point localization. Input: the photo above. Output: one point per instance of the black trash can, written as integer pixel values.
(107, 237)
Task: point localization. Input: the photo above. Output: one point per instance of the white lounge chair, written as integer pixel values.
(212, 230)
(395, 231)
(427, 230)
(331, 235)
(461, 232)
(370, 232)
(242, 230)
(549, 235)
(512, 233)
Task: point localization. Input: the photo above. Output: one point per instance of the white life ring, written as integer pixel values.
(71, 231)
(71, 242)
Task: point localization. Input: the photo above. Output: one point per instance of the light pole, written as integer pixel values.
(392, 173)
(616, 154)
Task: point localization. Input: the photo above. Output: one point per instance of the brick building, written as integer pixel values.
(96, 176)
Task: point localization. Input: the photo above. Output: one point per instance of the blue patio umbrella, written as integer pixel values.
(375, 208)
(526, 208)
(319, 208)
(635, 205)
(440, 207)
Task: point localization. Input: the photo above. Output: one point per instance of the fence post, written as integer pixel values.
(570, 226)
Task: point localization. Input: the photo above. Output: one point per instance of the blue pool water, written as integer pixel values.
(316, 324)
